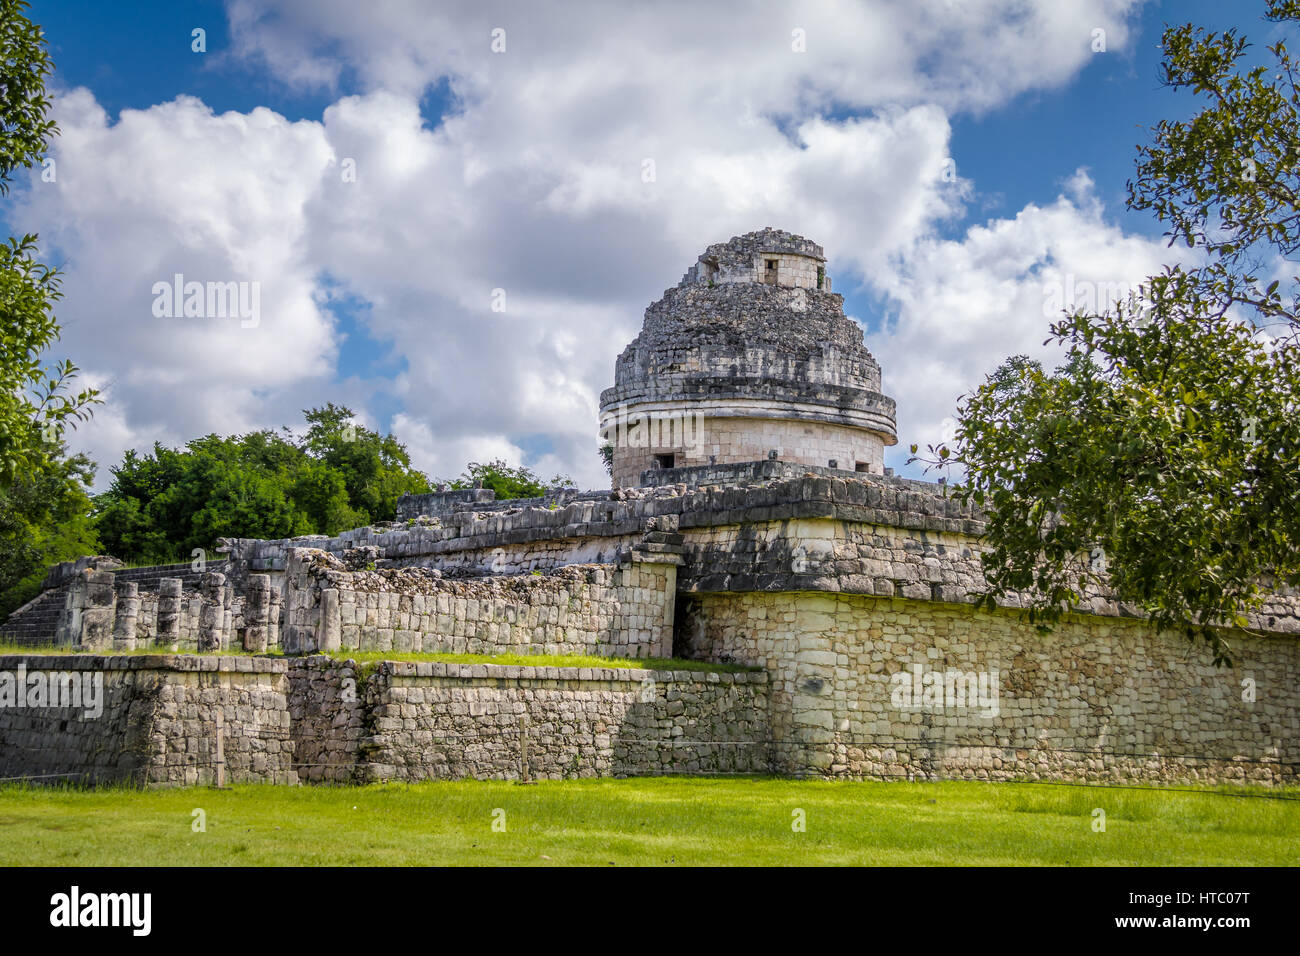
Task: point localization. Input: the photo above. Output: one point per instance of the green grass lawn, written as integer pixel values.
(650, 821)
(374, 657)
(541, 660)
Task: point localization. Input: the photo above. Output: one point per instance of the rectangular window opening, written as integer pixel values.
(665, 461)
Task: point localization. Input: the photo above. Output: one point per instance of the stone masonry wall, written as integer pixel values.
(924, 557)
(624, 610)
(438, 721)
(328, 718)
(1097, 699)
(870, 534)
(736, 440)
(154, 722)
(319, 720)
(742, 258)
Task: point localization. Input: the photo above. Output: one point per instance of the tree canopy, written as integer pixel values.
(1162, 458)
(44, 519)
(43, 492)
(36, 398)
(265, 484)
(506, 481)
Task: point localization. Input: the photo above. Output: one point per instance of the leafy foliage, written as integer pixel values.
(375, 469)
(162, 506)
(24, 65)
(1163, 457)
(508, 482)
(36, 403)
(43, 492)
(44, 519)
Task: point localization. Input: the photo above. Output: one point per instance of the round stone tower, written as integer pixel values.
(751, 353)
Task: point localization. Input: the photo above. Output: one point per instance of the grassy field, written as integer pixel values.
(374, 657)
(541, 660)
(650, 821)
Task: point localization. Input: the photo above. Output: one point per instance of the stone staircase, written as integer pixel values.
(36, 622)
(148, 577)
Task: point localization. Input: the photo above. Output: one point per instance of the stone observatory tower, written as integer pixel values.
(749, 354)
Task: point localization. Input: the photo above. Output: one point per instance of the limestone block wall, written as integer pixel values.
(153, 720)
(791, 270)
(328, 718)
(438, 721)
(897, 687)
(743, 259)
(144, 719)
(600, 528)
(622, 610)
(832, 370)
(481, 499)
(742, 527)
(524, 536)
(715, 440)
(927, 556)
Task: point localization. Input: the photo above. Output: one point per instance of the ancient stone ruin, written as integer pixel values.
(750, 355)
(752, 528)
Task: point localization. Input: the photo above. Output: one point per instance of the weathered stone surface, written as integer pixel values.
(151, 721)
(126, 621)
(751, 352)
(409, 721)
(623, 610)
(257, 613)
(1099, 699)
(212, 613)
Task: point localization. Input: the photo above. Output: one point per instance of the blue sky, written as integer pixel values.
(382, 283)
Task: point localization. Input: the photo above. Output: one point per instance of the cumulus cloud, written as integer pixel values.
(436, 232)
(178, 190)
(959, 307)
(766, 58)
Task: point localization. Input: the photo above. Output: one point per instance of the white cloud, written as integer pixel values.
(177, 189)
(960, 307)
(589, 62)
(443, 456)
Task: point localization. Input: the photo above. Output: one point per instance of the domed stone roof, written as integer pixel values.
(724, 329)
(753, 331)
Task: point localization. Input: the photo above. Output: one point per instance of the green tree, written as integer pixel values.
(376, 468)
(36, 400)
(25, 127)
(321, 492)
(44, 519)
(508, 482)
(44, 502)
(162, 506)
(1163, 457)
